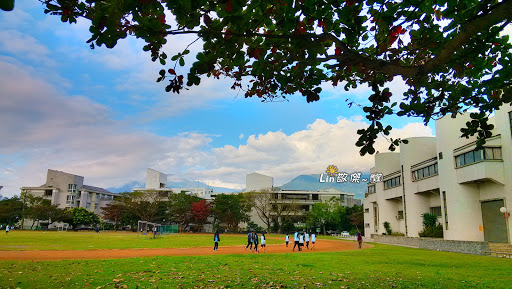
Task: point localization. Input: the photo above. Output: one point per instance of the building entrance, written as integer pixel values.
(495, 225)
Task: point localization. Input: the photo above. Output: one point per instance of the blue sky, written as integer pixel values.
(100, 114)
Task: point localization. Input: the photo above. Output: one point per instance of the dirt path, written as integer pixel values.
(321, 246)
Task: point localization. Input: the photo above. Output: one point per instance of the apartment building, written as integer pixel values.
(157, 182)
(304, 199)
(68, 191)
(467, 188)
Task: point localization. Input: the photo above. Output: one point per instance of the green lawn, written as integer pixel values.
(383, 266)
(86, 240)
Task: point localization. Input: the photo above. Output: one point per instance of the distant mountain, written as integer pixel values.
(312, 183)
(176, 184)
(126, 187)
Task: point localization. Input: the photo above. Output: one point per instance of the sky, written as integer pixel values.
(100, 114)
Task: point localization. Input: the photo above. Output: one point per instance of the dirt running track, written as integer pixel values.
(321, 246)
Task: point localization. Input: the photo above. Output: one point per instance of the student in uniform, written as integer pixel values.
(255, 241)
(296, 241)
(301, 241)
(7, 229)
(313, 240)
(249, 241)
(263, 242)
(287, 239)
(216, 239)
(306, 239)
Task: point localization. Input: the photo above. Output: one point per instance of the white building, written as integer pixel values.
(68, 191)
(302, 198)
(258, 182)
(157, 181)
(447, 176)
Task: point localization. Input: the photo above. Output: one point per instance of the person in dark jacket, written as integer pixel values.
(216, 239)
(359, 240)
(255, 241)
(249, 241)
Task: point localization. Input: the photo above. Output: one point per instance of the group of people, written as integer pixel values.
(252, 238)
(302, 239)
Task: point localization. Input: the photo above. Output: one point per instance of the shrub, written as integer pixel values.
(433, 232)
(387, 226)
(431, 228)
(397, 234)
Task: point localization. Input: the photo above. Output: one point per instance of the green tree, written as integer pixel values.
(82, 216)
(451, 54)
(180, 208)
(11, 210)
(230, 209)
(147, 206)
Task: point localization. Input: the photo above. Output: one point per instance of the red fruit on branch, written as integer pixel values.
(229, 6)
(337, 51)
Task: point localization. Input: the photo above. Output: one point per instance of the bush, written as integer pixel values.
(387, 226)
(433, 232)
(431, 228)
(397, 234)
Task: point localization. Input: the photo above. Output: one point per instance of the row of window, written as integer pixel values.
(393, 182)
(488, 153)
(425, 172)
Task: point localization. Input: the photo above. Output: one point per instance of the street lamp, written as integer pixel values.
(503, 210)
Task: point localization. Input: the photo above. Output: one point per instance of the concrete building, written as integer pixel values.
(302, 198)
(446, 175)
(68, 191)
(157, 181)
(257, 182)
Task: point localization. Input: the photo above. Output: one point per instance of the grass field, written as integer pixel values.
(382, 266)
(85, 240)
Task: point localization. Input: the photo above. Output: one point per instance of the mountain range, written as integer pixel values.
(302, 182)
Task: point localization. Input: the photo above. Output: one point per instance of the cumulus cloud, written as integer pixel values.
(308, 151)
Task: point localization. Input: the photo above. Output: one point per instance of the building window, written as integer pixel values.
(393, 182)
(400, 215)
(367, 210)
(488, 153)
(342, 198)
(425, 172)
(436, 211)
(371, 189)
(70, 199)
(72, 188)
(445, 210)
(510, 118)
(367, 225)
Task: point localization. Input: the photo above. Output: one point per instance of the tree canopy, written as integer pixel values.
(451, 54)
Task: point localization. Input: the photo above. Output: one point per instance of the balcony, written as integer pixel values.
(482, 171)
(426, 184)
(392, 193)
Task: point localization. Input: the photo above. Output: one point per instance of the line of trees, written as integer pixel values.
(189, 211)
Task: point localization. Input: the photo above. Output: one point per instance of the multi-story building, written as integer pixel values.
(68, 191)
(467, 188)
(302, 199)
(157, 182)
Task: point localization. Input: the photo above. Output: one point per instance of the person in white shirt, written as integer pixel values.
(287, 239)
(296, 240)
(306, 238)
(313, 240)
(263, 243)
(301, 242)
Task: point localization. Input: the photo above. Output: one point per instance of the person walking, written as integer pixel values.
(255, 241)
(263, 242)
(295, 240)
(287, 239)
(360, 240)
(301, 241)
(306, 239)
(313, 240)
(7, 229)
(216, 239)
(249, 241)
